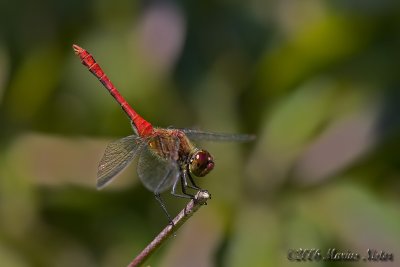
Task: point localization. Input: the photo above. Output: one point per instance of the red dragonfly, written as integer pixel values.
(166, 156)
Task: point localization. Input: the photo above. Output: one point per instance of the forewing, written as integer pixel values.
(157, 173)
(209, 136)
(117, 156)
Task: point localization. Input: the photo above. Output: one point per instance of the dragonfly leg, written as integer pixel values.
(194, 185)
(183, 184)
(162, 204)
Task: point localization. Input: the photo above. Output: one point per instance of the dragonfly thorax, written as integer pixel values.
(172, 144)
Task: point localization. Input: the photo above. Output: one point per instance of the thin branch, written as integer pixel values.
(200, 199)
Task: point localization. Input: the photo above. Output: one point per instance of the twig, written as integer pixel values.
(200, 199)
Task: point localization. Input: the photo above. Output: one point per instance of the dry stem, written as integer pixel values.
(200, 199)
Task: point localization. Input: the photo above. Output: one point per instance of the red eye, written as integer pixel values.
(201, 163)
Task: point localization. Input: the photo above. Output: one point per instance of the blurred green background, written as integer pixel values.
(317, 82)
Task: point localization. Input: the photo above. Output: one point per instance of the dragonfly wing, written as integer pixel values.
(117, 156)
(209, 136)
(157, 173)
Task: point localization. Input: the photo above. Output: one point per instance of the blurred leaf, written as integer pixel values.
(343, 143)
(18, 203)
(322, 43)
(57, 161)
(351, 215)
(287, 130)
(255, 239)
(4, 70)
(11, 258)
(33, 83)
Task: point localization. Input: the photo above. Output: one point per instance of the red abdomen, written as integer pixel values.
(143, 127)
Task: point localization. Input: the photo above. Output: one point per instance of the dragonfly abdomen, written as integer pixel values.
(143, 127)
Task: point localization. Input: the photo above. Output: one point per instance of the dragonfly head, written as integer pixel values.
(201, 163)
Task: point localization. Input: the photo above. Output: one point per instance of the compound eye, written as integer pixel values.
(201, 163)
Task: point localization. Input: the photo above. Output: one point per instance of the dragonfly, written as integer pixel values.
(166, 156)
